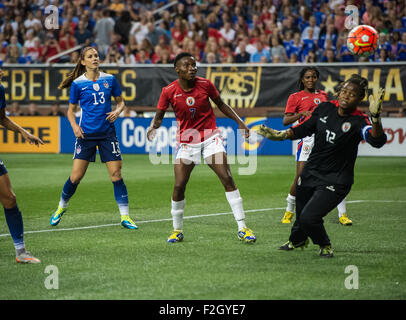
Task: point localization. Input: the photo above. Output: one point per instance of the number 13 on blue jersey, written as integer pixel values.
(101, 98)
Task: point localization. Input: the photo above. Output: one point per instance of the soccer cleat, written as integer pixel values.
(326, 252)
(287, 218)
(344, 220)
(176, 236)
(290, 246)
(247, 235)
(287, 246)
(127, 223)
(57, 216)
(27, 257)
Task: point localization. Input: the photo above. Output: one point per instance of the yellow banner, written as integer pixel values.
(45, 128)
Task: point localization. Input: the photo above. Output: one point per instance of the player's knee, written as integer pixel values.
(116, 175)
(10, 200)
(76, 178)
(228, 182)
(307, 220)
(179, 190)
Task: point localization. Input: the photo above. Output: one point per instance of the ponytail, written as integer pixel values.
(79, 70)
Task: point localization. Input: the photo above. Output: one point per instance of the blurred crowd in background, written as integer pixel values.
(214, 31)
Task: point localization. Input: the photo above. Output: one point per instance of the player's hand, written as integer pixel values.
(112, 116)
(245, 132)
(375, 104)
(78, 132)
(272, 134)
(151, 133)
(32, 139)
(306, 113)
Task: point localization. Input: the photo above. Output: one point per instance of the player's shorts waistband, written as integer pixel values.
(203, 143)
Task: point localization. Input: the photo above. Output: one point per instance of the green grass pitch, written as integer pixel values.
(97, 259)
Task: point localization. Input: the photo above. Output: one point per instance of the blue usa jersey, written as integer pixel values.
(2, 97)
(95, 101)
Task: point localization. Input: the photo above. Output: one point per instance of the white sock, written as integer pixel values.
(342, 208)
(63, 204)
(235, 201)
(20, 250)
(124, 209)
(291, 203)
(177, 214)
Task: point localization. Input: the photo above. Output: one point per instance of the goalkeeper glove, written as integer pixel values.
(272, 134)
(375, 105)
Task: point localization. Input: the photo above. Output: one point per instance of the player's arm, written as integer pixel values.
(113, 115)
(77, 130)
(229, 112)
(290, 118)
(9, 124)
(276, 135)
(376, 137)
(375, 108)
(155, 124)
(307, 128)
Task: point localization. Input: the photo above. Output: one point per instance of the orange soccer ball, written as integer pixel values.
(362, 40)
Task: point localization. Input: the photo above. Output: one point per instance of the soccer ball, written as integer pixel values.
(362, 40)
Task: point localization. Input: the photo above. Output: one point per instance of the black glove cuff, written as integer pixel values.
(375, 118)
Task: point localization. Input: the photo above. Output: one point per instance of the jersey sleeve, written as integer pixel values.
(2, 98)
(116, 90)
(291, 105)
(74, 94)
(308, 127)
(163, 102)
(376, 142)
(212, 91)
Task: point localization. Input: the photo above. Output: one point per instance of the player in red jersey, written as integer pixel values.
(198, 136)
(299, 108)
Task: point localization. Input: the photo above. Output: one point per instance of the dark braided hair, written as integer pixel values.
(302, 73)
(361, 82)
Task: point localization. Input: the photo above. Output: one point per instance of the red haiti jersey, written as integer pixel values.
(194, 114)
(305, 101)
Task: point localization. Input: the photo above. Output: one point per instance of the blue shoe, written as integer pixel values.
(127, 223)
(57, 216)
(176, 236)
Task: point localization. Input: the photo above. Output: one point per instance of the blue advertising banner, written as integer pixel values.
(132, 134)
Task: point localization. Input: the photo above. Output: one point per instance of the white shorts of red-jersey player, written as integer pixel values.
(304, 148)
(194, 152)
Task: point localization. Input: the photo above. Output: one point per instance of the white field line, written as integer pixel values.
(186, 217)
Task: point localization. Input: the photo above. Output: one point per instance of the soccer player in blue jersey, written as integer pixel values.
(93, 89)
(13, 215)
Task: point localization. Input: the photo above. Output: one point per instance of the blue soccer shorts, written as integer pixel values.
(109, 149)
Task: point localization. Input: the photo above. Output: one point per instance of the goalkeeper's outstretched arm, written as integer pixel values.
(376, 137)
(276, 135)
(375, 108)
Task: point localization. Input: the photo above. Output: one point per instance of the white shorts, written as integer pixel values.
(304, 148)
(194, 152)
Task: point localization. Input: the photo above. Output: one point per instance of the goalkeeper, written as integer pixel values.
(329, 172)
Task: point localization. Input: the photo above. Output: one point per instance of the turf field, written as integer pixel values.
(97, 259)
